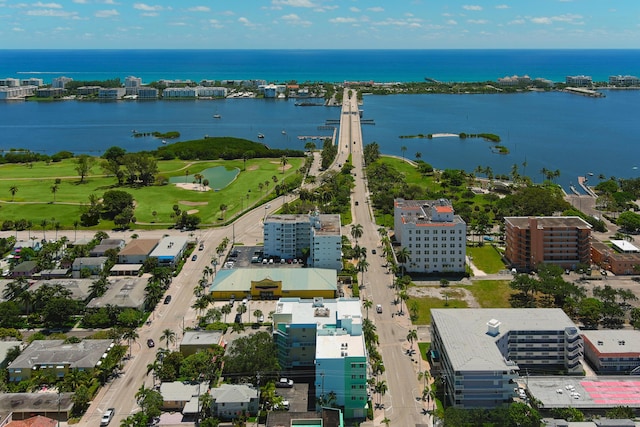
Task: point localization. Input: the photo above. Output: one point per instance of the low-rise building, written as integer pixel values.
(613, 351)
(325, 334)
(180, 92)
(23, 406)
(194, 341)
(137, 251)
(215, 92)
(60, 82)
(32, 81)
(148, 93)
(432, 234)
(19, 92)
(9, 82)
(177, 395)
(624, 80)
(25, 269)
(273, 283)
(88, 90)
(111, 93)
(58, 358)
(478, 353)
(94, 265)
(557, 240)
(105, 245)
(621, 258)
(233, 400)
(50, 92)
(169, 250)
(80, 288)
(123, 292)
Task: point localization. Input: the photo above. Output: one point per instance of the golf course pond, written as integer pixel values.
(219, 177)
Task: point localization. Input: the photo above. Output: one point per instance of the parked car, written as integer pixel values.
(150, 343)
(373, 251)
(284, 406)
(284, 383)
(167, 299)
(194, 257)
(107, 416)
(378, 308)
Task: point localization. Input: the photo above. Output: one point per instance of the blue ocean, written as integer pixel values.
(553, 130)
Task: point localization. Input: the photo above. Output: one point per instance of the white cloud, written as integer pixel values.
(342, 20)
(452, 22)
(293, 3)
(199, 9)
(477, 21)
(354, 9)
(147, 8)
(471, 7)
(375, 9)
(294, 19)
(150, 14)
(51, 12)
(518, 21)
(566, 18)
(178, 24)
(106, 13)
(80, 1)
(215, 23)
(17, 29)
(503, 6)
(244, 21)
(48, 5)
(109, 2)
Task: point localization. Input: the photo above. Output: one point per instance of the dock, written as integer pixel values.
(582, 181)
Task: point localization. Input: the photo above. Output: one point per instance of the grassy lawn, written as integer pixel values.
(425, 304)
(491, 293)
(424, 349)
(486, 258)
(34, 199)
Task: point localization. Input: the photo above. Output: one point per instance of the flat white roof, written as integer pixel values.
(624, 246)
(609, 341)
(339, 346)
(304, 311)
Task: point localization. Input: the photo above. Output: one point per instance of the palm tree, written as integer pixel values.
(76, 224)
(418, 155)
(403, 149)
(356, 231)
(13, 190)
(223, 209)
(412, 336)
(225, 309)
(257, 314)
(242, 309)
(201, 304)
(283, 162)
(362, 267)
(381, 388)
(15, 289)
(237, 328)
(367, 304)
(403, 256)
(44, 224)
(130, 334)
(169, 336)
(54, 190)
(424, 375)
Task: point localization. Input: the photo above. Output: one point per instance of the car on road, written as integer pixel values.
(150, 343)
(194, 257)
(201, 247)
(107, 416)
(284, 383)
(378, 308)
(373, 251)
(167, 299)
(357, 203)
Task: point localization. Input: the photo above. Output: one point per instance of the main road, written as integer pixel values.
(401, 403)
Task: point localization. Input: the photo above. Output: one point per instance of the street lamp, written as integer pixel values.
(58, 417)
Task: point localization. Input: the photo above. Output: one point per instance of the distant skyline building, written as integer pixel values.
(579, 80)
(60, 82)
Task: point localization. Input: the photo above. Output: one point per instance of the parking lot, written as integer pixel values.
(254, 257)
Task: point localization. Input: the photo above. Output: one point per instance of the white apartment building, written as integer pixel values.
(31, 82)
(180, 92)
(9, 82)
(215, 92)
(17, 92)
(147, 93)
(434, 236)
(286, 236)
(624, 80)
(479, 352)
(60, 82)
(111, 92)
(132, 85)
(579, 80)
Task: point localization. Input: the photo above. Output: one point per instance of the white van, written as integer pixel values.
(107, 416)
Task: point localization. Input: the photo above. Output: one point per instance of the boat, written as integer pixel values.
(164, 141)
(260, 136)
(217, 116)
(284, 132)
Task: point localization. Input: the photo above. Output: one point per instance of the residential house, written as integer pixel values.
(94, 265)
(177, 395)
(105, 245)
(232, 400)
(194, 341)
(25, 269)
(137, 251)
(169, 250)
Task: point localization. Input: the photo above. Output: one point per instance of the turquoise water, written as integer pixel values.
(219, 177)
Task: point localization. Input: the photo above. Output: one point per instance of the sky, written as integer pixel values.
(320, 24)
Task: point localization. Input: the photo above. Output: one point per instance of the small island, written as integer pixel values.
(491, 137)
